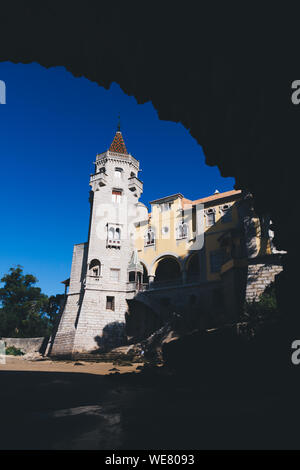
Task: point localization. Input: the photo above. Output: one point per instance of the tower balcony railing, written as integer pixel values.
(92, 281)
(100, 177)
(137, 286)
(134, 183)
(113, 242)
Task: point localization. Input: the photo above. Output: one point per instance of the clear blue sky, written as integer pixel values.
(52, 127)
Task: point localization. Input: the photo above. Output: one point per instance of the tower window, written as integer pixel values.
(114, 236)
(111, 233)
(117, 234)
(110, 303)
(118, 173)
(94, 268)
(116, 196)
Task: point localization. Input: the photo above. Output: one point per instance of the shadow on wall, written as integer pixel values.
(44, 345)
(113, 336)
(141, 320)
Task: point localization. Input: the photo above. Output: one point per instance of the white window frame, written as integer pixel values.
(115, 271)
(114, 235)
(182, 231)
(118, 173)
(150, 237)
(210, 212)
(116, 198)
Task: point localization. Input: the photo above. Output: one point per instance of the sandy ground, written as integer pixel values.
(18, 363)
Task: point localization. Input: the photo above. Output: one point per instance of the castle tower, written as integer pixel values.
(94, 312)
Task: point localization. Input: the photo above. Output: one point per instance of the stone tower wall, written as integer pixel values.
(87, 323)
(64, 339)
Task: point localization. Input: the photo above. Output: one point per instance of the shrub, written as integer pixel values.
(13, 351)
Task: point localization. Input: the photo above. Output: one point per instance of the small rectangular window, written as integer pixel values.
(110, 303)
(116, 196)
(115, 274)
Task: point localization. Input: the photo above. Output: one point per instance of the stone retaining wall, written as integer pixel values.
(26, 345)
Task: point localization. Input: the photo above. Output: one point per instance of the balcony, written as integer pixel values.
(113, 243)
(100, 178)
(137, 286)
(92, 281)
(134, 183)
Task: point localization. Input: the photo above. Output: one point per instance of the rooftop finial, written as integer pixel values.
(119, 124)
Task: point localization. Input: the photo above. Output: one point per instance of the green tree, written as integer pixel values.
(53, 309)
(23, 307)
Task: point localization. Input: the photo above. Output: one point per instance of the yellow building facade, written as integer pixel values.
(179, 228)
(202, 258)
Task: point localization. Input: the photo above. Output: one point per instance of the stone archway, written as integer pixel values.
(167, 270)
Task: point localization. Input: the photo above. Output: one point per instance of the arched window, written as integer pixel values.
(117, 234)
(118, 173)
(132, 175)
(114, 236)
(168, 269)
(182, 230)
(210, 217)
(94, 268)
(149, 237)
(111, 233)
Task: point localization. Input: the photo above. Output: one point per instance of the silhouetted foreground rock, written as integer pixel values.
(225, 356)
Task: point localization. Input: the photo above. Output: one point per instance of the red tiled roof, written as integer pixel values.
(185, 201)
(118, 144)
(233, 192)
